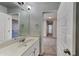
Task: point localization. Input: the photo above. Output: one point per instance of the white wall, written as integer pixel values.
(3, 9)
(65, 28)
(55, 28)
(37, 14)
(45, 28)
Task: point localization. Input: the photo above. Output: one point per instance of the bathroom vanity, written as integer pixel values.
(16, 22)
(30, 47)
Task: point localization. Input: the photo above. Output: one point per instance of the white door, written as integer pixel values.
(1, 27)
(5, 27)
(8, 27)
(65, 29)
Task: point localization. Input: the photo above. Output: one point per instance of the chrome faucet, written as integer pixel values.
(22, 40)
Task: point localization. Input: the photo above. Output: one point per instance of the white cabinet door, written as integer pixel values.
(33, 50)
(29, 52)
(36, 48)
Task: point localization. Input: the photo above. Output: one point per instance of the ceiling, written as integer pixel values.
(39, 5)
(9, 4)
(45, 5)
(50, 16)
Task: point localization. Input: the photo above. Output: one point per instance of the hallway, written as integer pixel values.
(50, 46)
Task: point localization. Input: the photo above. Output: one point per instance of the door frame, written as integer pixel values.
(41, 33)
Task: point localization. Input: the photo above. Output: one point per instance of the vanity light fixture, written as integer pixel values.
(20, 3)
(49, 17)
(28, 7)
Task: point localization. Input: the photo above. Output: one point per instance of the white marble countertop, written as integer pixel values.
(17, 48)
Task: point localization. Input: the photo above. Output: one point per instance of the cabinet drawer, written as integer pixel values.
(36, 48)
(29, 52)
(33, 50)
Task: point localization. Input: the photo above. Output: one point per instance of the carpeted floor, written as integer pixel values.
(50, 46)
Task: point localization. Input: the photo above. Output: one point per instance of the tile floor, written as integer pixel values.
(50, 46)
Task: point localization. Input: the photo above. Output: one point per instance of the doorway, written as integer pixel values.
(49, 28)
(49, 35)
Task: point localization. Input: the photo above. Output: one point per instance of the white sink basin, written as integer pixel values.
(25, 43)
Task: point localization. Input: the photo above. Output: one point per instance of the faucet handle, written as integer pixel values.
(22, 40)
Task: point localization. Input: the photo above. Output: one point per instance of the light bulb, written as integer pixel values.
(49, 17)
(29, 7)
